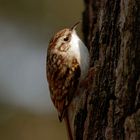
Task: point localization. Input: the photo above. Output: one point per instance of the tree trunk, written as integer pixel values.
(107, 105)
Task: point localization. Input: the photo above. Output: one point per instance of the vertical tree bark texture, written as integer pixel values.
(108, 105)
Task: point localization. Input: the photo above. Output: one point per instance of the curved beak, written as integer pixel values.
(75, 25)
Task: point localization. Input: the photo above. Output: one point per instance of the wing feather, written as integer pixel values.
(63, 76)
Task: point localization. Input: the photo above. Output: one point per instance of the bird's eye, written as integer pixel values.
(66, 38)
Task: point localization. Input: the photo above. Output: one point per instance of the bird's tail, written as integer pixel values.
(68, 127)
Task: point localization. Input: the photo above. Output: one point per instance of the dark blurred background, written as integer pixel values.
(26, 26)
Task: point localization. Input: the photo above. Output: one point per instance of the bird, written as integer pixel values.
(67, 65)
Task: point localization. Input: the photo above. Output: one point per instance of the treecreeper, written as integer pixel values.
(67, 65)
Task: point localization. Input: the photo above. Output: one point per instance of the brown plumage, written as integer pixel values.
(63, 76)
(67, 65)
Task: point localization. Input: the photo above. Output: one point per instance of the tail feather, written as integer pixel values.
(67, 122)
(64, 115)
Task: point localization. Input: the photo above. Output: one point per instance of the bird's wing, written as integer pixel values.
(63, 80)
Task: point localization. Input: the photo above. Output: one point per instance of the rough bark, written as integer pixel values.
(108, 105)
